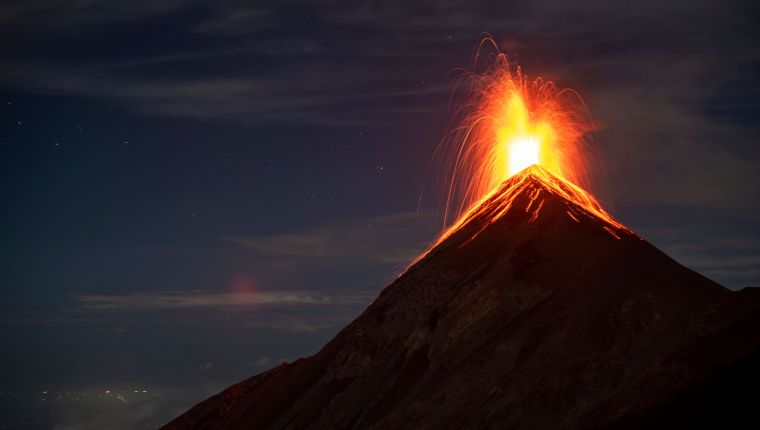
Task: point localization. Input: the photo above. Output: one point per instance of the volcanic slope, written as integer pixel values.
(536, 310)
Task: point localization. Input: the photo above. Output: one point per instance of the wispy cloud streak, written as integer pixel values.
(197, 299)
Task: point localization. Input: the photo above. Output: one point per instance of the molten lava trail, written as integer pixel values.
(502, 199)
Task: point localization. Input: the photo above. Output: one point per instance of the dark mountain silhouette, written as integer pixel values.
(537, 310)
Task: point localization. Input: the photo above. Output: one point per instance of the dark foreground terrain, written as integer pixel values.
(534, 313)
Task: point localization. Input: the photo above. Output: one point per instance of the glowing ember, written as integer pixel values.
(509, 123)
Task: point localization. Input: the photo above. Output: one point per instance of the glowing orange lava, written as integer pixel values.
(519, 143)
(536, 182)
(508, 123)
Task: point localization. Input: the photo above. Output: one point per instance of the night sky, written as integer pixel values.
(193, 192)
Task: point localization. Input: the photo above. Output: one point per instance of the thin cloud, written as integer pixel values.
(60, 13)
(387, 239)
(330, 100)
(236, 18)
(196, 299)
(727, 253)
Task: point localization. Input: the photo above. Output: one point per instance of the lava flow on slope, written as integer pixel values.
(536, 181)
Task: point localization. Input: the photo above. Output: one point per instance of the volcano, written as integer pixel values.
(536, 310)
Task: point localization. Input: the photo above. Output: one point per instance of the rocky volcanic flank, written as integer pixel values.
(536, 311)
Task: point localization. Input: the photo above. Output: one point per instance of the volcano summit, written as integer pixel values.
(535, 310)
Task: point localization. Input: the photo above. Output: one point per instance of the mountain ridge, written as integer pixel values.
(535, 310)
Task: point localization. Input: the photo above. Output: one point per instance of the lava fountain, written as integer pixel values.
(512, 131)
(507, 123)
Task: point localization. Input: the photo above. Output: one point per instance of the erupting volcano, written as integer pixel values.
(535, 309)
(507, 123)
